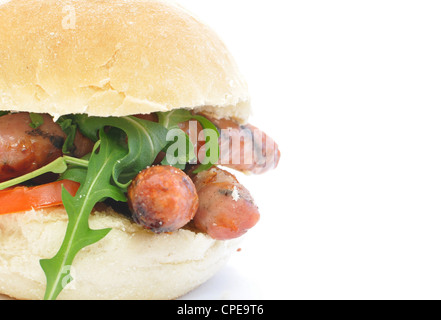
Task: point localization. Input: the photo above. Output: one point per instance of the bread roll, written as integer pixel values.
(111, 58)
(129, 263)
(114, 58)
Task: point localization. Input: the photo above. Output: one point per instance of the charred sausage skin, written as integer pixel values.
(24, 149)
(242, 148)
(226, 208)
(246, 148)
(162, 199)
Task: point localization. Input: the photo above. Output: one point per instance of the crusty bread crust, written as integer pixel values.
(114, 58)
(129, 263)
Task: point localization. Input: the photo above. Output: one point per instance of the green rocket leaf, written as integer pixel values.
(36, 120)
(144, 140)
(171, 120)
(97, 187)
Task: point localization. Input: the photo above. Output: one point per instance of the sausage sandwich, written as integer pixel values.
(121, 125)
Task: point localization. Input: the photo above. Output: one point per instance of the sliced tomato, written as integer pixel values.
(20, 199)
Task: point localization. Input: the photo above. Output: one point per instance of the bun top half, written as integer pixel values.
(114, 58)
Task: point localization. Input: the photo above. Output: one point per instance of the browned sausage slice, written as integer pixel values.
(242, 148)
(226, 208)
(162, 199)
(24, 149)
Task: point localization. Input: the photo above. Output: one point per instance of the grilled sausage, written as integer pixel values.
(24, 149)
(242, 148)
(82, 145)
(226, 208)
(246, 148)
(162, 199)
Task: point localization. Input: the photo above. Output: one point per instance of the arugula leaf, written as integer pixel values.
(36, 120)
(96, 187)
(171, 119)
(70, 130)
(57, 166)
(176, 136)
(175, 155)
(77, 171)
(145, 139)
(211, 141)
(76, 174)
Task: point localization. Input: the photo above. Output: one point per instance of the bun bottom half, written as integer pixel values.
(130, 263)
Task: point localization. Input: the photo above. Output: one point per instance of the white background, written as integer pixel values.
(351, 90)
